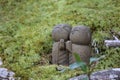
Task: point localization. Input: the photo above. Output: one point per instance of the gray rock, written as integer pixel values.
(5, 74)
(111, 74)
(81, 77)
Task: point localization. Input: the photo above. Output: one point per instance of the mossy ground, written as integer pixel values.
(25, 33)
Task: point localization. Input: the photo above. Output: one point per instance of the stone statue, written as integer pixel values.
(60, 35)
(80, 39)
(67, 42)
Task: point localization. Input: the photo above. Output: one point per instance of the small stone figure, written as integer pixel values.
(80, 39)
(60, 35)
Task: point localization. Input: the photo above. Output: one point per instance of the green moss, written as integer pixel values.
(50, 73)
(112, 59)
(25, 32)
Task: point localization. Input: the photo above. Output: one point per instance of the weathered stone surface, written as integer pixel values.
(112, 74)
(69, 50)
(60, 35)
(80, 35)
(55, 52)
(59, 54)
(69, 46)
(81, 77)
(84, 52)
(5, 74)
(61, 31)
(112, 43)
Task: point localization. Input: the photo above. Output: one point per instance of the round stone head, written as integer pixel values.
(80, 35)
(61, 31)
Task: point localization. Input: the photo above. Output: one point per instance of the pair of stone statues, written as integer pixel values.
(68, 41)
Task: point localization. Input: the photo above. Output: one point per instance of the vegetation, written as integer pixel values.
(86, 68)
(25, 33)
